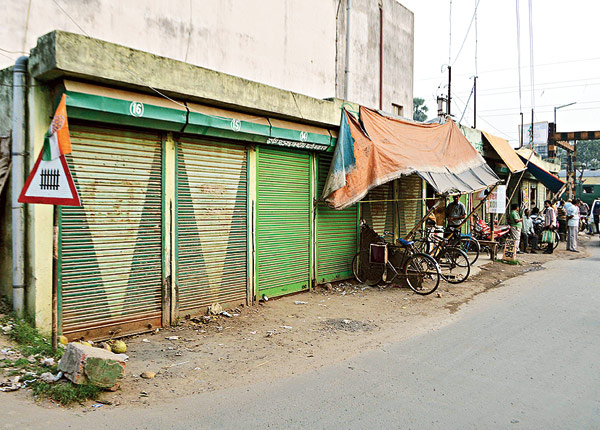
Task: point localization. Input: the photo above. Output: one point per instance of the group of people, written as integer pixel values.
(522, 228)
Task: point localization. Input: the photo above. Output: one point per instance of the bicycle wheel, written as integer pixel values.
(366, 272)
(454, 265)
(422, 274)
(556, 240)
(471, 247)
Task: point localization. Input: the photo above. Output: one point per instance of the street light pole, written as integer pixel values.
(560, 107)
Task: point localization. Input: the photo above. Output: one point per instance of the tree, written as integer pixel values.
(419, 109)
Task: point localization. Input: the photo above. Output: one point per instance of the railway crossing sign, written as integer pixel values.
(50, 182)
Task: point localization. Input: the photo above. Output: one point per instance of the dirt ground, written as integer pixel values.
(294, 334)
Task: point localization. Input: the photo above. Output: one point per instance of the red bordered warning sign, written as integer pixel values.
(50, 182)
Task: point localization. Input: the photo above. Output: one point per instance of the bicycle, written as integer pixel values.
(466, 242)
(454, 262)
(386, 262)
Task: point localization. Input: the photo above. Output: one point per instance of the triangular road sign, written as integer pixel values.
(50, 182)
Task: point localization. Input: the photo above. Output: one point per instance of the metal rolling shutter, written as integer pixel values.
(110, 248)
(283, 222)
(212, 227)
(336, 234)
(410, 205)
(378, 209)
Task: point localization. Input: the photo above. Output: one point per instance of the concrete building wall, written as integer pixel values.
(364, 64)
(297, 45)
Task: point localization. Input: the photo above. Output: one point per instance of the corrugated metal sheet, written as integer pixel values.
(110, 248)
(336, 234)
(378, 210)
(410, 205)
(212, 197)
(283, 221)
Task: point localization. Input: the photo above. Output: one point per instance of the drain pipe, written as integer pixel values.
(18, 179)
(347, 71)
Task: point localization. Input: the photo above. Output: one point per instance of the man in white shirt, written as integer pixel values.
(572, 225)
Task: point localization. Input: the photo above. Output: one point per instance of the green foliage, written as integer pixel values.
(30, 339)
(31, 342)
(419, 109)
(588, 154)
(65, 392)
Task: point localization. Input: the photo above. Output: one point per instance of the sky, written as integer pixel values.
(566, 61)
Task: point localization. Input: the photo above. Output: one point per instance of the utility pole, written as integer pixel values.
(475, 101)
(449, 88)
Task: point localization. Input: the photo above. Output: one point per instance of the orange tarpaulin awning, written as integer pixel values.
(379, 149)
(506, 152)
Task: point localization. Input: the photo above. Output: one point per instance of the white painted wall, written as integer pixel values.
(289, 44)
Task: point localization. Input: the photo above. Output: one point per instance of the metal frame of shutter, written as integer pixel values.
(284, 212)
(336, 233)
(110, 249)
(211, 229)
(410, 205)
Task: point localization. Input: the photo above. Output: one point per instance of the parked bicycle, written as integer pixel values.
(386, 262)
(453, 261)
(464, 241)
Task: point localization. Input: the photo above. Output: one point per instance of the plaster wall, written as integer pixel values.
(6, 97)
(364, 63)
(297, 45)
(284, 43)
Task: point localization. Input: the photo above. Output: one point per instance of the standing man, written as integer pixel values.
(572, 225)
(596, 214)
(528, 235)
(455, 212)
(516, 224)
(549, 223)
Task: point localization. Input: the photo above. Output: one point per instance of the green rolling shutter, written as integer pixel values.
(212, 230)
(378, 210)
(110, 257)
(336, 234)
(410, 205)
(283, 221)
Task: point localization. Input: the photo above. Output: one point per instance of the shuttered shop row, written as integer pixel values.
(114, 260)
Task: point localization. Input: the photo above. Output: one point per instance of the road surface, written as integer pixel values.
(523, 356)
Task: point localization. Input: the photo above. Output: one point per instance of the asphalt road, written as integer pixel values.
(524, 356)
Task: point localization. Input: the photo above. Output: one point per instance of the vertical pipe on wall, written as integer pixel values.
(347, 71)
(380, 57)
(18, 179)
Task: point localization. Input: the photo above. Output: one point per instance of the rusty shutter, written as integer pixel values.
(410, 204)
(211, 230)
(336, 233)
(378, 208)
(110, 258)
(283, 221)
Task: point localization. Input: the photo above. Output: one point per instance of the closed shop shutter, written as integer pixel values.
(211, 252)
(336, 234)
(410, 205)
(377, 210)
(110, 248)
(283, 222)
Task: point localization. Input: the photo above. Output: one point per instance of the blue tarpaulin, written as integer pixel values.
(546, 178)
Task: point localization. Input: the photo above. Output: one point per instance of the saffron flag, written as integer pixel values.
(57, 141)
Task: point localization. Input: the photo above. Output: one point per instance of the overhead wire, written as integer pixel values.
(467, 33)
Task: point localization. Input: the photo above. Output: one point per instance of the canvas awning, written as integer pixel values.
(549, 180)
(506, 152)
(380, 149)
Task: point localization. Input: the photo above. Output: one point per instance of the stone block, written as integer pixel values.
(84, 364)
